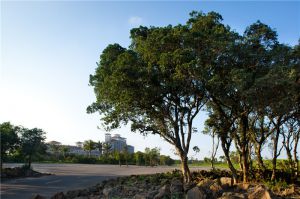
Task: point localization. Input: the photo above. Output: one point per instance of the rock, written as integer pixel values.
(206, 183)
(259, 192)
(152, 194)
(94, 197)
(242, 186)
(38, 197)
(107, 192)
(289, 191)
(163, 192)
(232, 195)
(195, 193)
(72, 194)
(226, 181)
(83, 192)
(93, 189)
(216, 189)
(140, 196)
(176, 189)
(59, 195)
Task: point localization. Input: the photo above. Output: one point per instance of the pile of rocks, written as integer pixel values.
(163, 186)
(18, 172)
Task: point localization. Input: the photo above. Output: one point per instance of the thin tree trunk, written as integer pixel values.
(1, 164)
(245, 164)
(274, 160)
(295, 154)
(261, 165)
(29, 161)
(230, 165)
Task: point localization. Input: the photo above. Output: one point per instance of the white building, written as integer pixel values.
(118, 143)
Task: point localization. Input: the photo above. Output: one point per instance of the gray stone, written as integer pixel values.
(226, 181)
(140, 196)
(59, 195)
(38, 197)
(107, 192)
(259, 192)
(206, 183)
(176, 186)
(72, 194)
(93, 189)
(196, 193)
(152, 194)
(232, 195)
(163, 191)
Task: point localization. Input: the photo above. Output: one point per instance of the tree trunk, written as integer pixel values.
(1, 164)
(260, 162)
(230, 165)
(274, 160)
(185, 168)
(245, 164)
(295, 154)
(212, 153)
(29, 161)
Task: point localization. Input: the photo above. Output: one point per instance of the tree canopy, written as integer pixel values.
(168, 74)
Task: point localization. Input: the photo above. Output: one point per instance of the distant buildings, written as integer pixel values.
(118, 143)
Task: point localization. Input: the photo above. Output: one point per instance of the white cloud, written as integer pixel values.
(135, 21)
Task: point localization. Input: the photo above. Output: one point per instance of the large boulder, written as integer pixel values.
(196, 193)
(258, 192)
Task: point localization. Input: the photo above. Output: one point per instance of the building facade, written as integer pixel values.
(118, 143)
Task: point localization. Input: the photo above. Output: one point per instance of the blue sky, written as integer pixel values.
(48, 50)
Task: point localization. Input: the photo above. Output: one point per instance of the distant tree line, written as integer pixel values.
(247, 83)
(19, 144)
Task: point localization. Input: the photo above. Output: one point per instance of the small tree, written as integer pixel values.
(138, 156)
(99, 146)
(106, 149)
(9, 139)
(89, 145)
(32, 143)
(55, 148)
(64, 150)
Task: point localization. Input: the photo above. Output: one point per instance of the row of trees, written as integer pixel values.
(248, 84)
(22, 144)
(25, 142)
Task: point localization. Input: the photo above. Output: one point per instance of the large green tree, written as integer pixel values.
(9, 139)
(152, 84)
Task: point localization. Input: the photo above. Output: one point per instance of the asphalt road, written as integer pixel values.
(68, 177)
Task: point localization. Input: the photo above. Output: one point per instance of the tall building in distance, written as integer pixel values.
(118, 143)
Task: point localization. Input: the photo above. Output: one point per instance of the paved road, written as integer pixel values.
(68, 177)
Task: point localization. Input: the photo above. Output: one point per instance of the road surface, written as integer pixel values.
(68, 177)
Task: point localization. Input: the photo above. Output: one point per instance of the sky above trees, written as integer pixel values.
(49, 49)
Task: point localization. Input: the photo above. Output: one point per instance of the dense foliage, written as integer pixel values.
(21, 142)
(249, 85)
